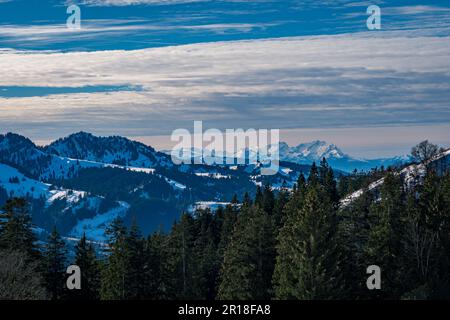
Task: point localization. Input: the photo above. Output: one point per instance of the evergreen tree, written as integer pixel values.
(313, 177)
(16, 228)
(135, 276)
(249, 259)
(353, 233)
(113, 280)
(85, 258)
(296, 199)
(246, 202)
(268, 202)
(326, 178)
(307, 263)
(435, 213)
(385, 245)
(279, 208)
(157, 276)
(259, 197)
(301, 182)
(54, 257)
(181, 259)
(230, 215)
(206, 256)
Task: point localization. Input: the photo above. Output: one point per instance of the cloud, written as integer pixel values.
(139, 27)
(409, 10)
(60, 33)
(121, 3)
(365, 79)
(101, 29)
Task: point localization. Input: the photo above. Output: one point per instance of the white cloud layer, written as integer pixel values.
(370, 79)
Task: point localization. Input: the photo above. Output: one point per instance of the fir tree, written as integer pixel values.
(353, 233)
(384, 247)
(16, 228)
(279, 208)
(157, 276)
(259, 197)
(435, 214)
(249, 259)
(313, 177)
(85, 258)
(230, 215)
(54, 257)
(113, 280)
(326, 178)
(307, 263)
(181, 259)
(206, 255)
(135, 257)
(268, 199)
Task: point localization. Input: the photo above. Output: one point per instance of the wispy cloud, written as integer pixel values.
(134, 2)
(144, 23)
(60, 32)
(419, 9)
(102, 28)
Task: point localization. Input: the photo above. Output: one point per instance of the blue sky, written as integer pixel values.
(111, 25)
(143, 68)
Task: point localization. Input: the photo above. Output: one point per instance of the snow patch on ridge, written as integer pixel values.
(95, 227)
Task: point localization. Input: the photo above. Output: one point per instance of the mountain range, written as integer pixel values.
(80, 183)
(304, 154)
(314, 151)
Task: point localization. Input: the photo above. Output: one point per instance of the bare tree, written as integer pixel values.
(422, 243)
(424, 152)
(19, 278)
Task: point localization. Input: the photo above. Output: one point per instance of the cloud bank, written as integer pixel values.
(306, 82)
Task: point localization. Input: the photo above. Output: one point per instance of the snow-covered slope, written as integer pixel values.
(60, 167)
(16, 184)
(21, 153)
(411, 175)
(95, 227)
(70, 202)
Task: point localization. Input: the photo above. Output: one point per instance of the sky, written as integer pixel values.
(143, 68)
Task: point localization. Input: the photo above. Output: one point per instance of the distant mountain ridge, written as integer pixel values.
(312, 151)
(306, 154)
(315, 151)
(81, 182)
(115, 150)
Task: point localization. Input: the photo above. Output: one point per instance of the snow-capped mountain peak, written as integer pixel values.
(311, 151)
(315, 151)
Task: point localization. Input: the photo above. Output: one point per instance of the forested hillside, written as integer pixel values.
(290, 244)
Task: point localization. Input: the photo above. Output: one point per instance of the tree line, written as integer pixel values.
(288, 244)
